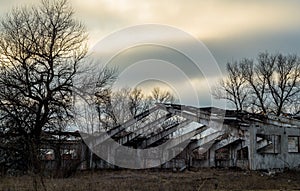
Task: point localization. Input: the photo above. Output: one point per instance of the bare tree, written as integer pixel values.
(234, 87)
(161, 96)
(258, 102)
(122, 105)
(295, 106)
(126, 103)
(270, 85)
(137, 101)
(282, 74)
(93, 92)
(41, 49)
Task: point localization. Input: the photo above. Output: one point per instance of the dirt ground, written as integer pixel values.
(200, 179)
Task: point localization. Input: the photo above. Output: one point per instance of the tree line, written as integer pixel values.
(126, 103)
(269, 84)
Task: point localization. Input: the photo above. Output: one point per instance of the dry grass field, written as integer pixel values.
(202, 179)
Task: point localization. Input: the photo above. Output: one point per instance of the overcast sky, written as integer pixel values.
(230, 29)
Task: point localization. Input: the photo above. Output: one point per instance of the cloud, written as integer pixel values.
(205, 19)
(231, 29)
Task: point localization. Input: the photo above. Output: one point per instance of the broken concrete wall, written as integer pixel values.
(281, 158)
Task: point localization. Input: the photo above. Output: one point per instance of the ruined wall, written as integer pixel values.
(281, 157)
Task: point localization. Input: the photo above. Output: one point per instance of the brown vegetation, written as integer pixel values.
(202, 179)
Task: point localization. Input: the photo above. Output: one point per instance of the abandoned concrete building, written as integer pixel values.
(214, 138)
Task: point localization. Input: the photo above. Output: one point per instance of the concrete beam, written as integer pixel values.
(227, 141)
(163, 134)
(139, 131)
(205, 140)
(173, 142)
(106, 135)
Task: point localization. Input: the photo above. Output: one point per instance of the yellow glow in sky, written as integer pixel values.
(231, 29)
(203, 19)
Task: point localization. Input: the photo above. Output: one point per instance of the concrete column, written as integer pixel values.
(233, 154)
(252, 147)
(211, 159)
(284, 147)
(111, 154)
